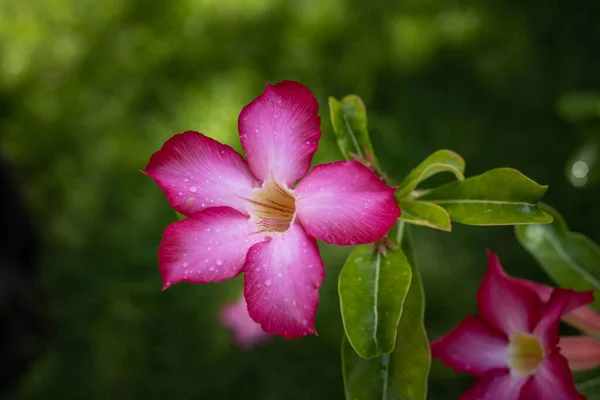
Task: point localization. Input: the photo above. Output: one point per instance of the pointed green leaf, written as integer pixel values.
(425, 214)
(403, 374)
(349, 121)
(571, 259)
(179, 216)
(372, 289)
(590, 389)
(502, 196)
(440, 161)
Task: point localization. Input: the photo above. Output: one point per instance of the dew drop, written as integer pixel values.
(219, 262)
(304, 322)
(193, 189)
(279, 275)
(185, 265)
(211, 268)
(206, 260)
(268, 282)
(294, 302)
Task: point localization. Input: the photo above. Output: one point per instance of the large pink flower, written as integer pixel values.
(250, 216)
(513, 346)
(246, 332)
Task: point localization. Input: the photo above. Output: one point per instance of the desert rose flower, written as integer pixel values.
(250, 215)
(513, 345)
(246, 332)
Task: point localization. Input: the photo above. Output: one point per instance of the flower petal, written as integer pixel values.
(344, 203)
(507, 305)
(472, 347)
(197, 172)
(209, 246)
(583, 318)
(247, 333)
(552, 380)
(561, 302)
(497, 384)
(280, 132)
(582, 352)
(281, 281)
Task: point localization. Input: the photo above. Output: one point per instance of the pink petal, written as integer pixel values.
(552, 380)
(582, 352)
(497, 384)
(507, 305)
(209, 246)
(583, 318)
(472, 347)
(280, 132)
(281, 281)
(561, 302)
(197, 172)
(344, 203)
(247, 333)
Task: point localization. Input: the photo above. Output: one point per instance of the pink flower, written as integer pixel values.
(247, 333)
(250, 216)
(512, 346)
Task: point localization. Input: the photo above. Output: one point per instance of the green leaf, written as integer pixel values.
(590, 389)
(179, 216)
(502, 196)
(372, 290)
(579, 106)
(349, 120)
(403, 374)
(440, 161)
(425, 214)
(571, 259)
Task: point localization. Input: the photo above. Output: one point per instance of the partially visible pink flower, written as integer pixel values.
(246, 332)
(583, 318)
(250, 215)
(513, 346)
(582, 352)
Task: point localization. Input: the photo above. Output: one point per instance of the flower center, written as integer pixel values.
(273, 207)
(525, 354)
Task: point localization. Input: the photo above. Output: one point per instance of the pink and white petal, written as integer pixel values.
(246, 332)
(472, 347)
(281, 283)
(561, 302)
(552, 380)
(280, 132)
(583, 318)
(344, 203)
(209, 246)
(582, 352)
(505, 304)
(497, 384)
(197, 172)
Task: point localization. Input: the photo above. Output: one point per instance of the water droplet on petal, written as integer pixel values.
(193, 189)
(268, 282)
(219, 262)
(185, 265)
(211, 268)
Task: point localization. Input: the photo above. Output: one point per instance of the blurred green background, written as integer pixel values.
(89, 89)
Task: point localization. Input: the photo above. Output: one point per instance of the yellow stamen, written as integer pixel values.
(273, 207)
(525, 354)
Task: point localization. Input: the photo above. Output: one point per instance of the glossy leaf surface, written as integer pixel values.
(571, 259)
(372, 290)
(425, 214)
(502, 196)
(349, 121)
(440, 161)
(403, 374)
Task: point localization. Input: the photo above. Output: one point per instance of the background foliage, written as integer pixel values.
(90, 88)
